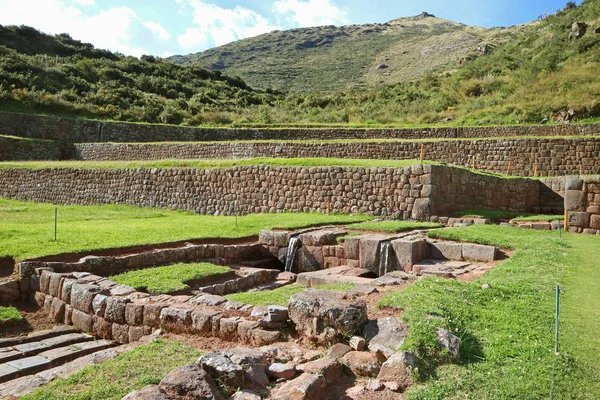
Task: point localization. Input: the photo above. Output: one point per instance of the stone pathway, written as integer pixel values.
(27, 362)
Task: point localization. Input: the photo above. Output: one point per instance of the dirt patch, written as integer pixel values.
(7, 268)
(35, 319)
(124, 251)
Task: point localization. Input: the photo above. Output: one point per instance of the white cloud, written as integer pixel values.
(218, 26)
(307, 13)
(85, 2)
(116, 28)
(158, 30)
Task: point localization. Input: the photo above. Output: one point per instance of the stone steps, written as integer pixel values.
(25, 356)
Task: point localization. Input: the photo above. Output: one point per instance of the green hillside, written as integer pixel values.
(332, 58)
(60, 75)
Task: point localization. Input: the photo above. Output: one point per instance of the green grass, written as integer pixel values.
(145, 365)
(210, 164)
(27, 229)
(497, 215)
(168, 279)
(9, 314)
(393, 226)
(281, 296)
(508, 330)
(540, 218)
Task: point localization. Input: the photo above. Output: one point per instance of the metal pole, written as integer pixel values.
(557, 315)
(55, 221)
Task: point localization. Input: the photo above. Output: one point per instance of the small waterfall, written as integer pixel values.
(291, 253)
(384, 257)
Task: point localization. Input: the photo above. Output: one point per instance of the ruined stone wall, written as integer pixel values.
(73, 130)
(407, 193)
(552, 156)
(455, 189)
(17, 149)
(582, 202)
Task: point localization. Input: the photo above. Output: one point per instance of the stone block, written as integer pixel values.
(305, 387)
(68, 315)
(352, 248)
(478, 252)
(575, 200)
(45, 281)
(446, 251)
(228, 327)
(421, 209)
(115, 309)
(120, 333)
(595, 221)
(57, 310)
(134, 314)
(176, 319)
(66, 290)
(99, 305)
(82, 321)
(102, 328)
(408, 252)
(202, 321)
(138, 332)
(82, 296)
(152, 314)
(578, 219)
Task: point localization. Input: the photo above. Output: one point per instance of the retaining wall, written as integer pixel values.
(18, 149)
(74, 130)
(582, 202)
(552, 156)
(409, 193)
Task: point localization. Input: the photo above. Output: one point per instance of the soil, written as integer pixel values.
(35, 319)
(339, 391)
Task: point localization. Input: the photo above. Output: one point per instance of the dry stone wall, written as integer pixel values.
(582, 202)
(12, 148)
(74, 130)
(411, 192)
(552, 156)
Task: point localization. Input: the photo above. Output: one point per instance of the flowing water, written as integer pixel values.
(384, 257)
(291, 253)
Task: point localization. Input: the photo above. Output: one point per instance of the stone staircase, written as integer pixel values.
(28, 362)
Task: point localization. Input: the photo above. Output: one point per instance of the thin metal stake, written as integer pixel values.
(55, 221)
(559, 291)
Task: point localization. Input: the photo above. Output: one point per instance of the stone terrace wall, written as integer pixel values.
(454, 189)
(404, 193)
(552, 156)
(74, 130)
(582, 202)
(23, 149)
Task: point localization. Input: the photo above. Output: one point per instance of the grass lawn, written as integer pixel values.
(281, 296)
(212, 164)
(497, 215)
(508, 330)
(9, 314)
(27, 229)
(542, 218)
(169, 278)
(393, 226)
(145, 365)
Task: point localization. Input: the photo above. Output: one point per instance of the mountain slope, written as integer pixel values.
(330, 58)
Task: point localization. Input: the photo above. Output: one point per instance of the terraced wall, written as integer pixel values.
(417, 192)
(82, 131)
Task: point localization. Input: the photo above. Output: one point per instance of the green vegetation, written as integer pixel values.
(541, 217)
(168, 279)
(508, 330)
(506, 76)
(281, 296)
(212, 164)
(145, 365)
(27, 229)
(393, 226)
(9, 314)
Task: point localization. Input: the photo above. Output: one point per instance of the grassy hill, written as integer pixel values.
(60, 75)
(333, 58)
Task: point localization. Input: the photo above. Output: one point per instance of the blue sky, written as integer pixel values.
(166, 27)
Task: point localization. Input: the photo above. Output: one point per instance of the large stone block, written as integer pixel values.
(352, 247)
(82, 296)
(102, 328)
(305, 387)
(120, 333)
(325, 316)
(408, 252)
(82, 321)
(595, 221)
(369, 251)
(446, 251)
(479, 252)
(578, 219)
(575, 200)
(134, 314)
(152, 314)
(176, 319)
(421, 210)
(115, 309)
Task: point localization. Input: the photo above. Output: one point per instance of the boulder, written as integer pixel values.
(328, 368)
(279, 370)
(397, 369)
(338, 350)
(326, 316)
(245, 394)
(449, 342)
(253, 362)
(150, 392)
(221, 368)
(305, 387)
(478, 252)
(361, 363)
(385, 335)
(189, 382)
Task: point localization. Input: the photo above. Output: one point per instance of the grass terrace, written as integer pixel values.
(498, 215)
(508, 330)
(9, 315)
(168, 279)
(281, 296)
(393, 226)
(27, 228)
(145, 365)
